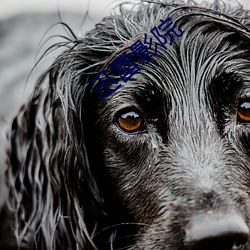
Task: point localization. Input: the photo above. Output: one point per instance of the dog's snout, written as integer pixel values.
(217, 232)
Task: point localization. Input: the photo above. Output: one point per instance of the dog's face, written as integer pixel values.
(175, 141)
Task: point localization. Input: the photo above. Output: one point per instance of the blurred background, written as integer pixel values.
(25, 26)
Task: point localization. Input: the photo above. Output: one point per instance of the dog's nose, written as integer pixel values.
(217, 232)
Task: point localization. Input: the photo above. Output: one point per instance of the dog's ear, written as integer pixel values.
(49, 178)
(53, 195)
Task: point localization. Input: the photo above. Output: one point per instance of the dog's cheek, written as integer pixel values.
(131, 172)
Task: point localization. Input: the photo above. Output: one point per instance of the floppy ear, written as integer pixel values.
(51, 186)
(53, 196)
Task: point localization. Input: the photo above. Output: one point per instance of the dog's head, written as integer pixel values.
(163, 162)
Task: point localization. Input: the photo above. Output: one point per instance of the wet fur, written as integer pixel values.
(76, 181)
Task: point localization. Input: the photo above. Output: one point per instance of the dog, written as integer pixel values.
(162, 163)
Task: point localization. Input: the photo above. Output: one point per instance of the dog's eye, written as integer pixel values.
(243, 113)
(130, 121)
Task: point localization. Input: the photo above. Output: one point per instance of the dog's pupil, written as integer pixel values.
(130, 115)
(245, 105)
(244, 111)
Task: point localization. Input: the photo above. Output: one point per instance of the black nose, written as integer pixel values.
(217, 232)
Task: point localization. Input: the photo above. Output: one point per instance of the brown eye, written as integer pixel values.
(130, 121)
(243, 113)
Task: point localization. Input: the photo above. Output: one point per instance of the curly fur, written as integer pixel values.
(75, 181)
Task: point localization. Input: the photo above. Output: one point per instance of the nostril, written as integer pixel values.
(217, 232)
(241, 241)
(223, 242)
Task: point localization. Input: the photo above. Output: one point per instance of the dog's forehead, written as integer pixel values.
(194, 62)
(210, 58)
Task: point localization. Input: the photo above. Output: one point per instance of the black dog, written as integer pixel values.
(162, 163)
